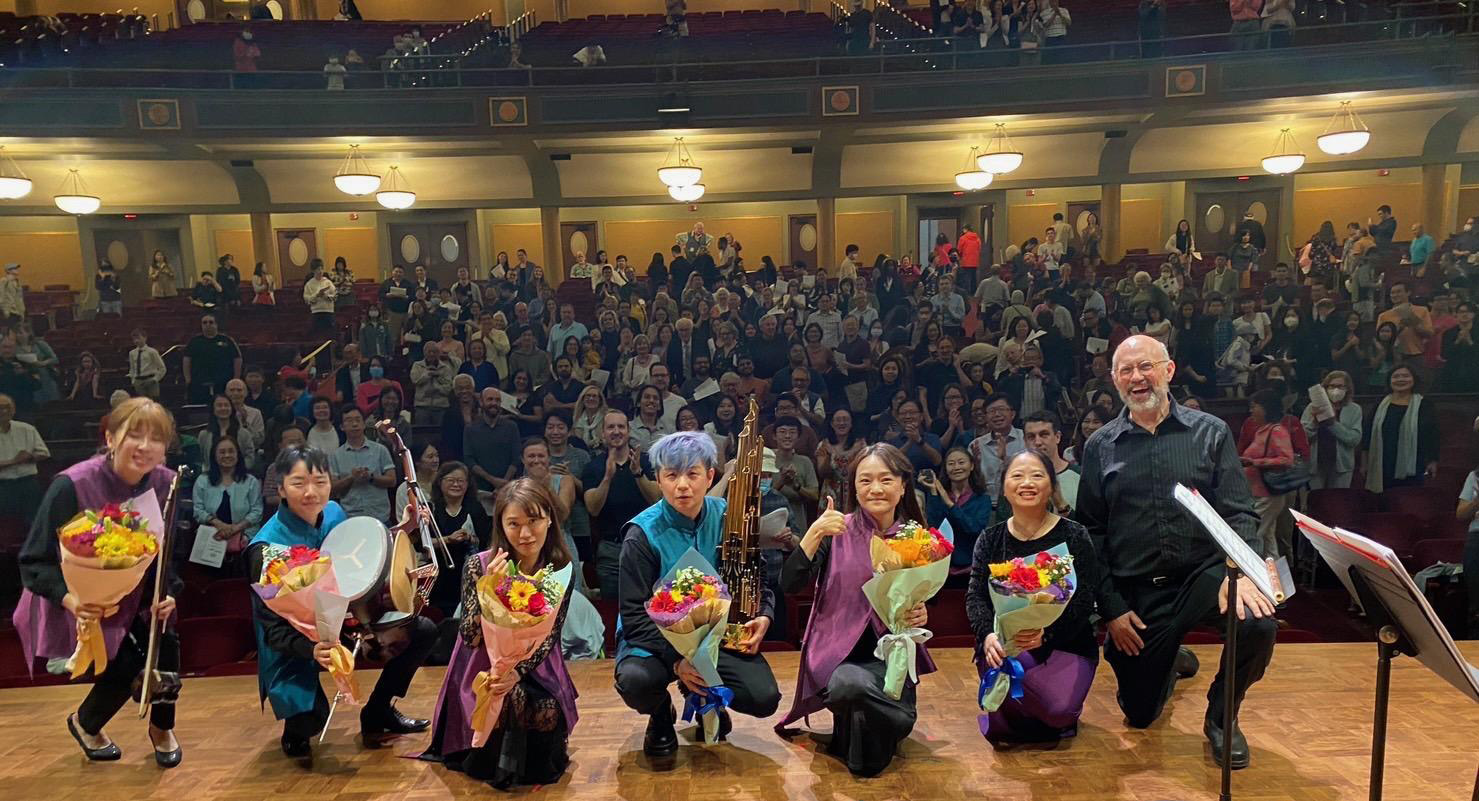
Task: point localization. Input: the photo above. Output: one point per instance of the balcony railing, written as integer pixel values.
(891, 57)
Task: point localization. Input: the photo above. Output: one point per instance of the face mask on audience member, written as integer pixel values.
(1337, 394)
(377, 372)
(1291, 322)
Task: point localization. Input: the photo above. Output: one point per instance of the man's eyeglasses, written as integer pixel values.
(1128, 371)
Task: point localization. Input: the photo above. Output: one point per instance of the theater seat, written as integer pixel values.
(1397, 531)
(229, 598)
(1431, 505)
(1341, 507)
(209, 641)
(1426, 553)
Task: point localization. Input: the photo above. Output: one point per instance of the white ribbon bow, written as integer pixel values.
(909, 639)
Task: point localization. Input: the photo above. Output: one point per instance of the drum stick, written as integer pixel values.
(358, 641)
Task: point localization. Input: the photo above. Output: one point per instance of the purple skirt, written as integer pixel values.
(1053, 694)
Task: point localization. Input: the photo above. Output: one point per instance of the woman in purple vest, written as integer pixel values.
(529, 744)
(139, 430)
(1059, 661)
(839, 671)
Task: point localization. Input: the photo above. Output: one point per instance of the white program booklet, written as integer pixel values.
(704, 390)
(207, 550)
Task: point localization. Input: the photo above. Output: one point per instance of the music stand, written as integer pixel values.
(1405, 624)
(1242, 563)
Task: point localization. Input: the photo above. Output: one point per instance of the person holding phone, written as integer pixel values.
(464, 524)
(961, 499)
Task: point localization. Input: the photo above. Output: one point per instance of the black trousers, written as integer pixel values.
(867, 725)
(1169, 611)
(113, 689)
(323, 321)
(642, 682)
(395, 680)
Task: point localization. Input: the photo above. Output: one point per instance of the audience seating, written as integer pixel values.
(228, 598)
(214, 641)
(713, 36)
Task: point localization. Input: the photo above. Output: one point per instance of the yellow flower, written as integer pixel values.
(676, 596)
(1001, 570)
(519, 594)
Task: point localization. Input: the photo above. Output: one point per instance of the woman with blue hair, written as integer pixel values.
(686, 517)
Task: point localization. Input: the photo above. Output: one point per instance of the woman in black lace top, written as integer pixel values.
(1059, 661)
(529, 743)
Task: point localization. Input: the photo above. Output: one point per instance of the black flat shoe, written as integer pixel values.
(168, 759)
(661, 741)
(296, 747)
(378, 725)
(108, 753)
(1187, 663)
(1240, 756)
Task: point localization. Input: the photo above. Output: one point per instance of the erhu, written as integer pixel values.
(155, 686)
(740, 563)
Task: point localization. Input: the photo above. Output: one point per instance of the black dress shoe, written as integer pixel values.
(661, 740)
(296, 747)
(1187, 664)
(108, 753)
(388, 722)
(1240, 755)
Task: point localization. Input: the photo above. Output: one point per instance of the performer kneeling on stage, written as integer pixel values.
(838, 669)
(1058, 662)
(651, 544)
(1161, 572)
(139, 431)
(528, 744)
(288, 662)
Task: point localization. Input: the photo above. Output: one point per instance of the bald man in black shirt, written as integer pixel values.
(1161, 573)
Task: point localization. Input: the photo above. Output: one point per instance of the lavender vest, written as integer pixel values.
(466, 662)
(839, 615)
(45, 628)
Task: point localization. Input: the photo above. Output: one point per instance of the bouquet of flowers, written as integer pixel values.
(518, 613)
(1027, 593)
(104, 555)
(299, 585)
(910, 567)
(691, 608)
(912, 545)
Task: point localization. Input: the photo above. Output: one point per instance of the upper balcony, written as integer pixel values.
(739, 69)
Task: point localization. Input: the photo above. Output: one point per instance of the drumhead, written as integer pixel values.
(402, 561)
(359, 549)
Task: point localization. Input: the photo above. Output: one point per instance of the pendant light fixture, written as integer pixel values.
(973, 178)
(678, 169)
(1001, 157)
(354, 176)
(686, 194)
(74, 198)
(1286, 157)
(1345, 133)
(13, 183)
(395, 192)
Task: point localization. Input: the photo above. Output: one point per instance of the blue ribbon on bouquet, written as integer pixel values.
(714, 699)
(1012, 669)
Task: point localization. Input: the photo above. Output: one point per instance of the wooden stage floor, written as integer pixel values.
(1308, 722)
